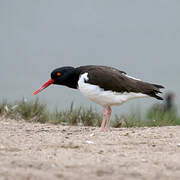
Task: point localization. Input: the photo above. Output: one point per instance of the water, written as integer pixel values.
(141, 38)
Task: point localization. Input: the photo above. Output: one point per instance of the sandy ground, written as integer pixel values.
(44, 151)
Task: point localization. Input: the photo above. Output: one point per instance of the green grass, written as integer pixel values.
(35, 111)
(157, 117)
(132, 119)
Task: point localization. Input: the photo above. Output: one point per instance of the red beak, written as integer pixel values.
(48, 83)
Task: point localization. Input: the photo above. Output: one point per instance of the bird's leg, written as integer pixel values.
(104, 119)
(109, 112)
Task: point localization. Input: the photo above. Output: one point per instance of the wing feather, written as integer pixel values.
(110, 78)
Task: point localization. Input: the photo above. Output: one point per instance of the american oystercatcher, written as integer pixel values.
(106, 86)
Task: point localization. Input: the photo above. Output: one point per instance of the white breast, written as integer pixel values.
(102, 97)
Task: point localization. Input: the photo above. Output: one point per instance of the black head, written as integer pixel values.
(66, 76)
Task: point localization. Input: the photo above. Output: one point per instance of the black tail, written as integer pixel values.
(158, 97)
(156, 91)
(158, 86)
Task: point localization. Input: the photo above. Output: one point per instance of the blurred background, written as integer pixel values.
(141, 38)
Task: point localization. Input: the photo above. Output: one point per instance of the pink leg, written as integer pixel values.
(109, 112)
(104, 119)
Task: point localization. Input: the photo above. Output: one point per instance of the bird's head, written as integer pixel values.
(61, 76)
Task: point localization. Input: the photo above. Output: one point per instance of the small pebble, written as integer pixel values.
(91, 134)
(126, 134)
(143, 160)
(89, 142)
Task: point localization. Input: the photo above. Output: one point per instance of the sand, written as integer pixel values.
(45, 151)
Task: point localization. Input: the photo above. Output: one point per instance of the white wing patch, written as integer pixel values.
(102, 97)
(132, 77)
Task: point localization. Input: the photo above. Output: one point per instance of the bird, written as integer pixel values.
(104, 85)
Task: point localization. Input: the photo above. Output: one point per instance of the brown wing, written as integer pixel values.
(115, 80)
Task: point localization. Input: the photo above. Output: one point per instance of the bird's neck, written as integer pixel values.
(72, 81)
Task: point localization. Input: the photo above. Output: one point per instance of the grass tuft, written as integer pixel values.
(27, 110)
(79, 116)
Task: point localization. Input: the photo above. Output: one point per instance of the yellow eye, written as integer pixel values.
(58, 74)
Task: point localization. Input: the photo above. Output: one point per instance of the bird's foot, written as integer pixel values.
(104, 129)
(107, 129)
